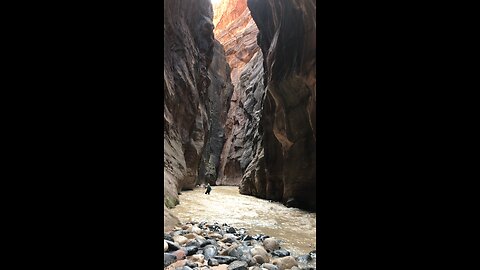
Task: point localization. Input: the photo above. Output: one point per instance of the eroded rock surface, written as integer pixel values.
(217, 105)
(287, 38)
(188, 52)
(237, 32)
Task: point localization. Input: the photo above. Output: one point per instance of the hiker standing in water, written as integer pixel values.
(209, 188)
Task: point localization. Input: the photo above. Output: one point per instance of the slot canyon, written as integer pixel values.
(240, 116)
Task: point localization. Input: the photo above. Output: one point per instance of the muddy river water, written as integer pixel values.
(297, 228)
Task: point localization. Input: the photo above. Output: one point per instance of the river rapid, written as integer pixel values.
(296, 228)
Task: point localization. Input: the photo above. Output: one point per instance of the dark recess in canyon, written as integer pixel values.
(240, 109)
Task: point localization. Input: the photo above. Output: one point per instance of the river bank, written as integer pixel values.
(222, 247)
(295, 227)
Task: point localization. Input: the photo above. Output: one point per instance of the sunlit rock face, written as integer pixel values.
(237, 32)
(285, 169)
(188, 52)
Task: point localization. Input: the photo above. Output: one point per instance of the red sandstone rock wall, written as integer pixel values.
(287, 37)
(237, 32)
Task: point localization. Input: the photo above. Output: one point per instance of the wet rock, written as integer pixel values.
(197, 258)
(210, 251)
(231, 230)
(214, 254)
(168, 259)
(180, 254)
(172, 246)
(228, 240)
(236, 252)
(260, 251)
(191, 250)
(215, 236)
(193, 243)
(224, 259)
(244, 254)
(237, 265)
(197, 230)
(250, 260)
(246, 238)
(178, 232)
(313, 254)
(208, 242)
(259, 259)
(181, 240)
(167, 237)
(212, 262)
(214, 228)
(269, 266)
(280, 253)
(285, 262)
(304, 258)
(271, 244)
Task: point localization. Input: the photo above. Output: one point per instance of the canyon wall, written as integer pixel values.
(285, 169)
(270, 144)
(237, 32)
(188, 51)
(240, 110)
(218, 103)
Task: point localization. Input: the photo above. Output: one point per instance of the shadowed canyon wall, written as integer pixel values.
(188, 52)
(236, 30)
(197, 93)
(286, 168)
(218, 103)
(240, 110)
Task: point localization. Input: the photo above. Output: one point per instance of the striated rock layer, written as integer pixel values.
(188, 52)
(285, 169)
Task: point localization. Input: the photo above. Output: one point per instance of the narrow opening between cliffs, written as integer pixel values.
(243, 129)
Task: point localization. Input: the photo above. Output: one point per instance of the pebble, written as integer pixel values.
(280, 253)
(180, 254)
(225, 259)
(271, 244)
(259, 259)
(237, 265)
(197, 258)
(210, 251)
(204, 246)
(269, 266)
(191, 250)
(181, 240)
(168, 259)
(213, 262)
(172, 246)
(285, 262)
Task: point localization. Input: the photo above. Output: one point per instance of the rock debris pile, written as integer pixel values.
(205, 245)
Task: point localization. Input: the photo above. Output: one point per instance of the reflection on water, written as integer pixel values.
(297, 228)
